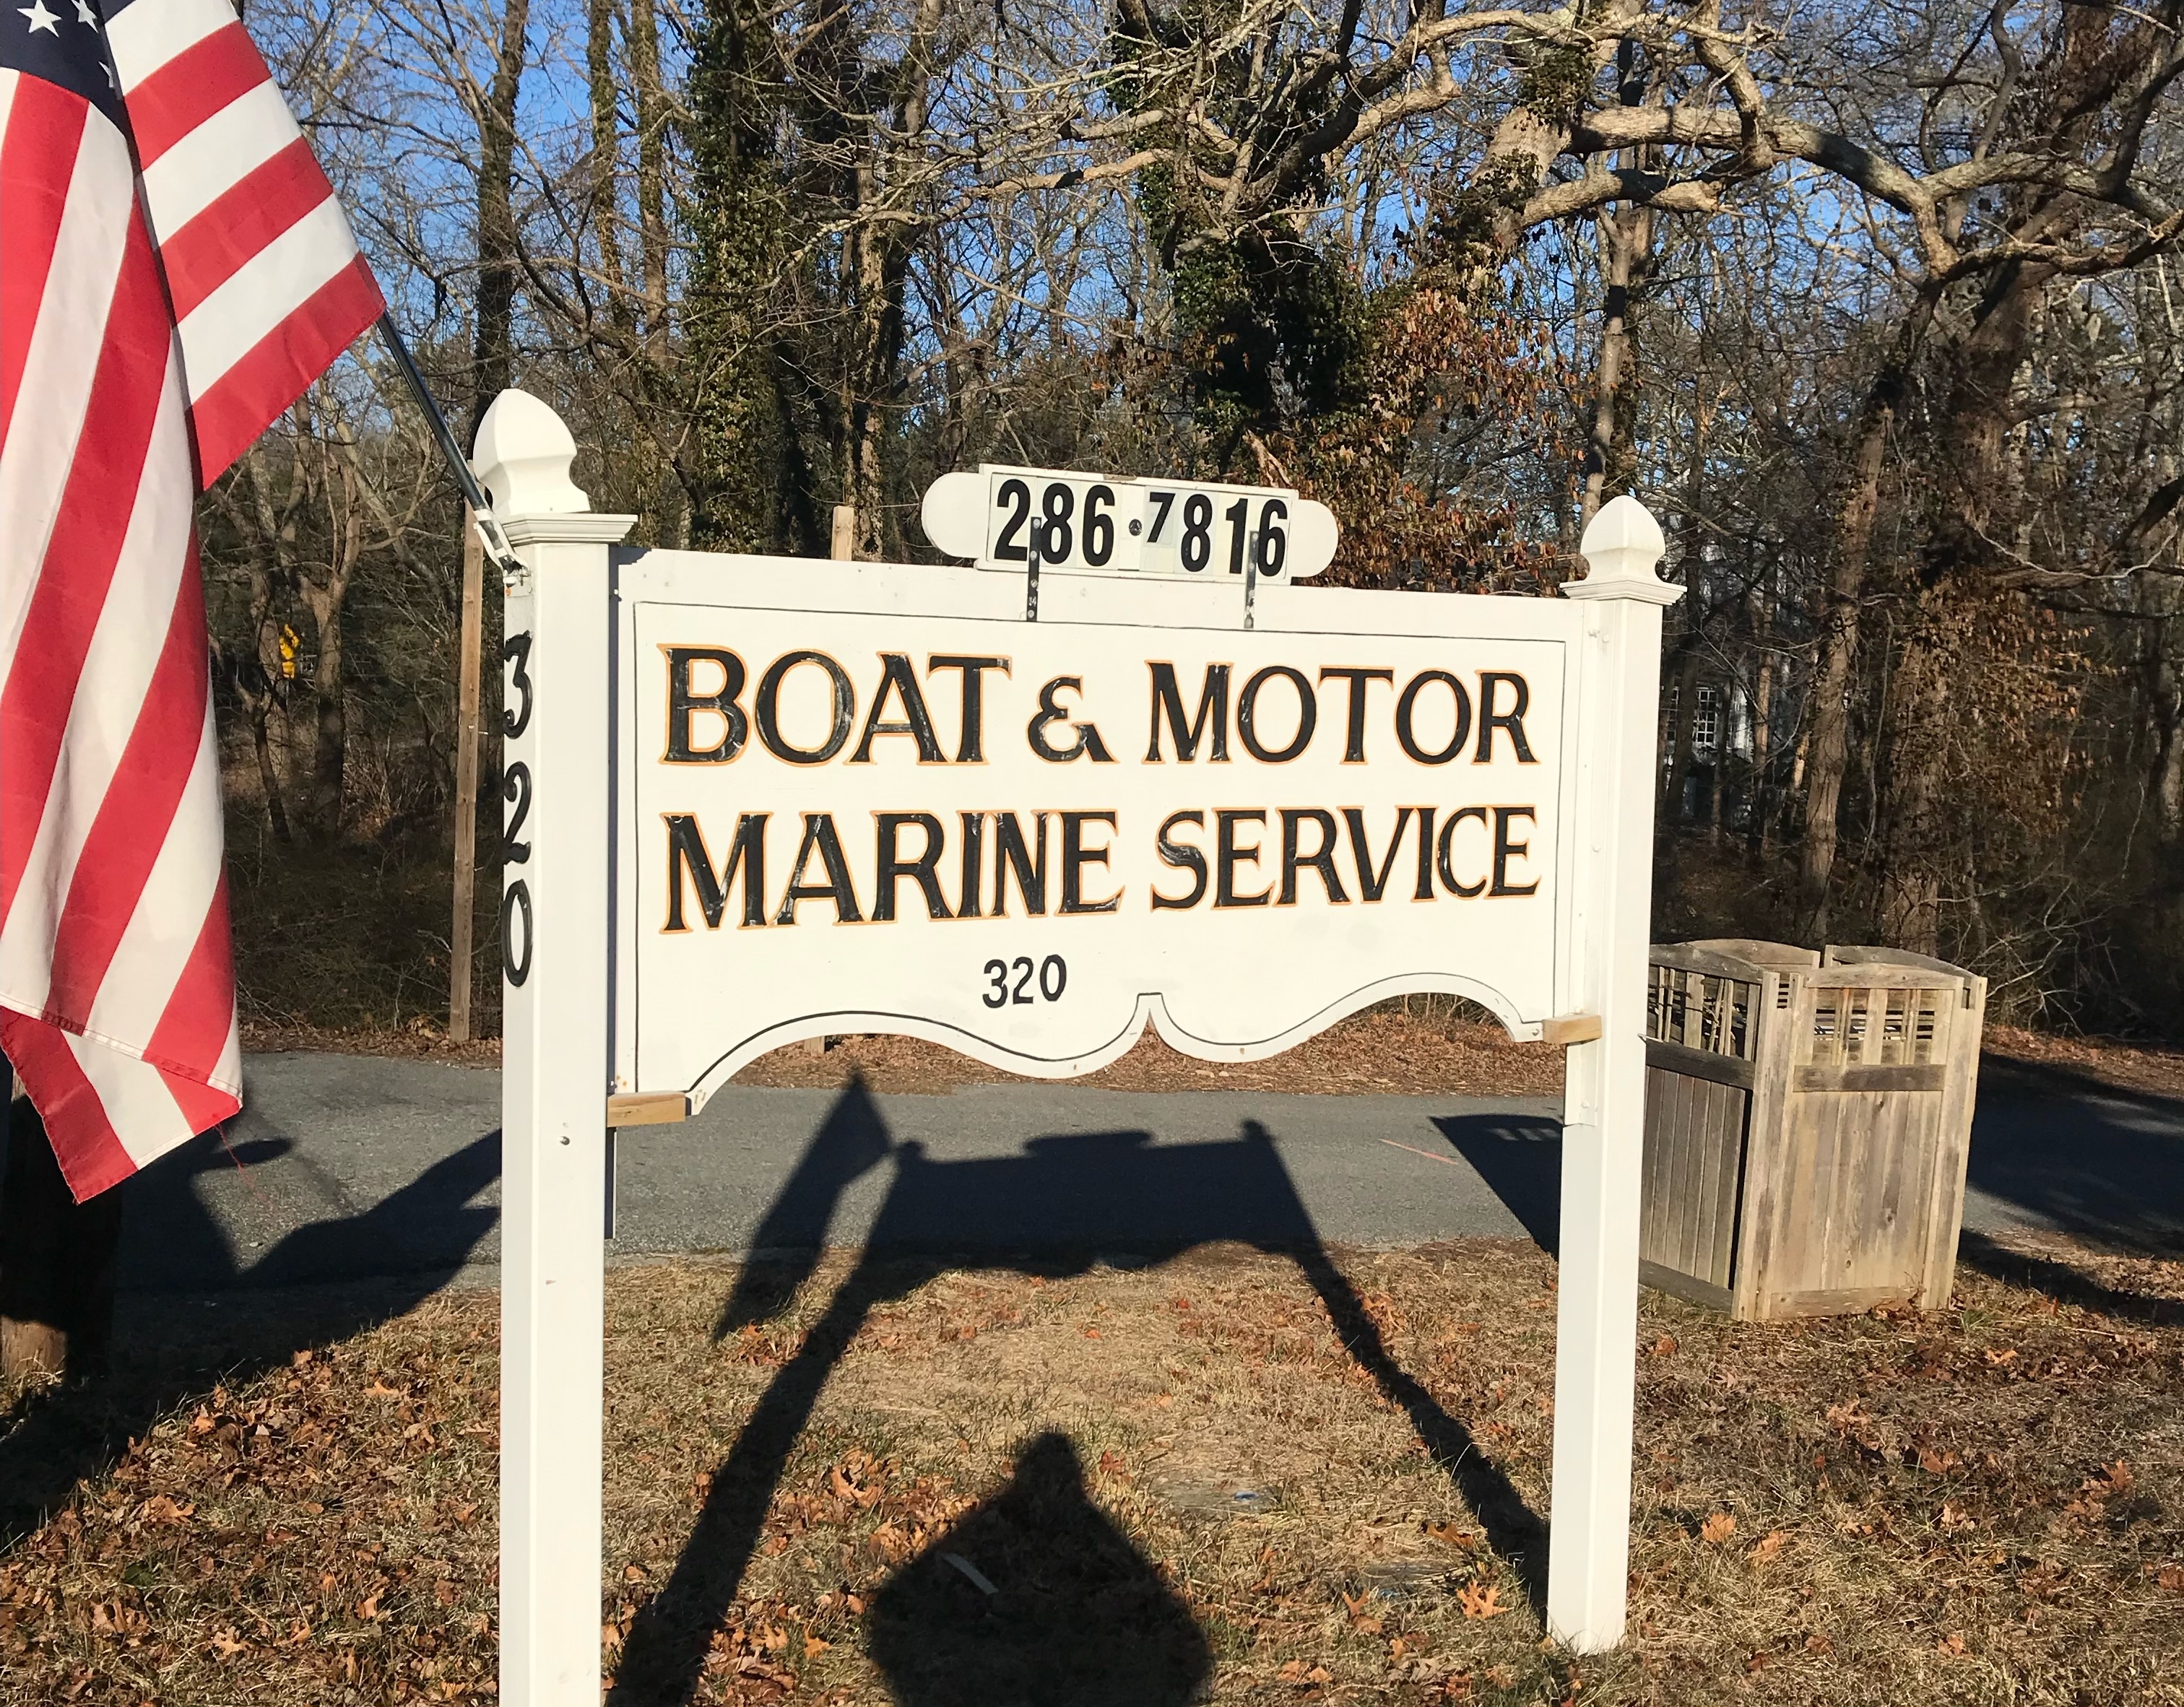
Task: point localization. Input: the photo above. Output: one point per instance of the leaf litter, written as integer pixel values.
(1984, 1505)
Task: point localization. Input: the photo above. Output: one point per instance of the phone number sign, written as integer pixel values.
(1093, 524)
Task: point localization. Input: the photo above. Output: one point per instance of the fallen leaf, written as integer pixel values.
(1936, 1463)
(1950, 1646)
(1718, 1528)
(1664, 1346)
(2170, 1576)
(1765, 1550)
(1819, 1644)
(1481, 1600)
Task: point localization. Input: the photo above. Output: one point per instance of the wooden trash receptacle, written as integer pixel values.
(1808, 1120)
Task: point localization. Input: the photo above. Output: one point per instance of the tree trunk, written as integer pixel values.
(260, 708)
(607, 156)
(492, 362)
(1828, 728)
(1629, 239)
(56, 1258)
(328, 600)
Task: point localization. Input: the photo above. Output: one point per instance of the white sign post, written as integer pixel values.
(752, 800)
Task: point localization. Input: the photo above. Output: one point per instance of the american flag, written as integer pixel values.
(174, 271)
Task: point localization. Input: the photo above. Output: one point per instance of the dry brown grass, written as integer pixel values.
(1428, 1047)
(1982, 1507)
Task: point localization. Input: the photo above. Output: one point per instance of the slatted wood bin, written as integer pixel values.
(1807, 1117)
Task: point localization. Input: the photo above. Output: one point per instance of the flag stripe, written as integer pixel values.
(143, 37)
(178, 886)
(36, 157)
(287, 358)
(140, 1108)
(221, 240)
(269, 287)
(199, 1021)
(137, 804)
(197, 83)
(117, 672)
(82, 552)
(205, 166)
(68, 330)
(91, 1155)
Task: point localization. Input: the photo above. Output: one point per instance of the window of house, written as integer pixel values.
(1706, 723)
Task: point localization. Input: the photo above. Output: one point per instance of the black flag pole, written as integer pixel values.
(495, 541)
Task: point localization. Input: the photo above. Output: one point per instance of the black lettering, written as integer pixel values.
(1512, 719)
(1505, 850)
(1212, 707)
(769, 709)
(1228, 854)
(1293, 819)
(1247, 710)
(1075, 857)
(1010, 854)
(1184, 858)
(1089, 745)
(1405, 705)
(1424, 892)
(891, 868)
(896, 677)
(974, 855)
(682, 702)
(1448, 853)
(687, 853)
(1372, 882)
(1353, 740)
(970, 743)
(819, 833)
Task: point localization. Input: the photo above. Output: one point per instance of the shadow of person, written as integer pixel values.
(1077, 1616)
(58, 1437)
(1053, 1211)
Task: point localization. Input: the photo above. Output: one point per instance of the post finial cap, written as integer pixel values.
(524, 450)
(1621, 546)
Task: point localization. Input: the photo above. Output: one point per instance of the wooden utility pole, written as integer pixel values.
(845, 532)
(466, 783)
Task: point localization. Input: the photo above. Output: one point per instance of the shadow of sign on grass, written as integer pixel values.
(1073, 1200)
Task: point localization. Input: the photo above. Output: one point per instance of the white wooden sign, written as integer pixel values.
(1096, 524)
(756, 799)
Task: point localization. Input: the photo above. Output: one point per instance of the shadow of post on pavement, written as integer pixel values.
(1072, 1200)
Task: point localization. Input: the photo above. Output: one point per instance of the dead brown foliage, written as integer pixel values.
(1982, 1506)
